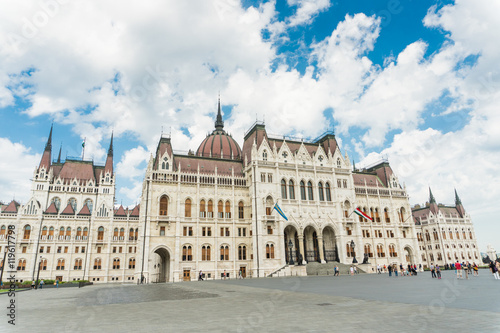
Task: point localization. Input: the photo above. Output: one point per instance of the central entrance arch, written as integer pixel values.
(329, 244)
(311, 244)
(161, 265)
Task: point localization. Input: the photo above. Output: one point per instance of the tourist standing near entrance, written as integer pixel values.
(433, 272)
(458, 267)
(390, 270)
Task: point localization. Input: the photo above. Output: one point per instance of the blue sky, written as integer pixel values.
(403, 79)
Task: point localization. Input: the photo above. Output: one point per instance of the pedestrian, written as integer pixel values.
(433, 272)
(458, 268)
(352, 271)
(200, 276)
(378, 269)
(475, 269)
(395, 270)
(385, 268)
(240, 276)
(33, 284)
(41, 284)
(338, 270)
(390, 270)
(57, 284)
(356, 270)
(466, 270)
(438, 271)
(498, 268)
(224, 274)
(494, 270)
(420, 267)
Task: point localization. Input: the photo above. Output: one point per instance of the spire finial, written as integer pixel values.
(48, 145)
(219, 124)
(431, 197)
(59, 156)
(110, 150)
(457, 199)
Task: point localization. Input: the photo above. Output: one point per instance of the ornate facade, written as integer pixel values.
(212, 211)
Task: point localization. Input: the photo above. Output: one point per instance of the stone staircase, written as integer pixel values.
(316, 268)
(277, 272)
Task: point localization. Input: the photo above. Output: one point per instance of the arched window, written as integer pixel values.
(241, 210)
(3, 229)
(269, 251)
(85, 233)
(339, 163)
(302, 190)
(27, 231)
(264, 155)
(89, 204)
(164, 205)
(242, 252)
(57, 202)
(131, 263)
(68, 233)
(122, 234)
(136, 236)
(131, 234)
(21, 266)
(470, 234)
(386, 216)
(187, 253)
(44, 232)
(368, 250)
(349, 250)
(72, 203)
(78, 233)
(310, 191)
(43, 264)
(116, 263)
(205, 253)
(380, 251)
(457, 233)
(187, 208)
(224, 252)
(100, 233)
(291, 189)
(220, 209)
(283, 189)
(51, 232)
(164, 164)
(61, 233)
(78, 264)
(377, 215)
(60, 265)
(115, 234)
(327, 191)
(228, 210)
(210, 209)
(320, 192)
(202, 209)
(97, 263)
(360, 218)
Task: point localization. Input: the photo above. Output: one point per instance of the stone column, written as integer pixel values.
(321, 252)
(301, 249)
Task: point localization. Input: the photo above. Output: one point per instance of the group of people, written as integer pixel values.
(466, 269)
(408, 270)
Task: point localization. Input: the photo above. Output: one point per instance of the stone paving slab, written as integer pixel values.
(308, 304)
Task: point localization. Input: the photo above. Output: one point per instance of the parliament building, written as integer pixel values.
(212, 211)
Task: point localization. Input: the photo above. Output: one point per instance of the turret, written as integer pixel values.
(46, 157)
(109, 160)
(458, 205)
(433, 205)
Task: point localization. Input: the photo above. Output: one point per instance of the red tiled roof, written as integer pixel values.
(219, 143)
(163, 146)
(135, 211)
(81, 170)
(68, 210)
(371, 180)
(84, 211)
(12, 207)
(207, 165)
(120, 211)
(52, 209)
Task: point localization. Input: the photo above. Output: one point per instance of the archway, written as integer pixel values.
(311, 244)
(292, 234)
(161, 266)
(330, 245)
(409, 255)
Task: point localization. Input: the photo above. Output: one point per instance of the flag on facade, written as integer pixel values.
(83, 144)
(362, 214)
(278, 209)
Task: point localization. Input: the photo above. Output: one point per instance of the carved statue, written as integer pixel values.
(365, 259)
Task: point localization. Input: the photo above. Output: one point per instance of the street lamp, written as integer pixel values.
(354, 261)
(38, 274)
(290, 245)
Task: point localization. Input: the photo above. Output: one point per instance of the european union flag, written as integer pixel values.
(278, 209)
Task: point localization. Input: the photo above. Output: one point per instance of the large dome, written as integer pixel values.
(219, 144)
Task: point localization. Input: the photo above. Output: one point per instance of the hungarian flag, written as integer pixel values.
(362, 214)
(83, 144)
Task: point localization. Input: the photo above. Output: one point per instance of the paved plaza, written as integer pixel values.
(371, 302)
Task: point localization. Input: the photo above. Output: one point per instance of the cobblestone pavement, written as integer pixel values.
(375, 303)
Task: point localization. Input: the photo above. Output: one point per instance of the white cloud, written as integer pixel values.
(15, 182)
(306, 11)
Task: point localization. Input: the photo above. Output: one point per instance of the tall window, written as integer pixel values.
(131, 234)
(21, 266)
(89, 204)
(43, 264)
(380, 251)
(283, 189)
(187, 208)
(264, 155)
(228, 210)
(349, 250)
(115, 234)
(270, 251)
(291, 189)
(302, 190)
(310, 191)
(44, 232)
(164, 205)
(320, 192)
(78, 233)
(386, 215)
(116, 263)
(205, 253)
(72, 203)
(241, 211)
(210, 209)
(60, 265)
(328, 193)
(61, 233)
(97, 263)
(78, 264)
(85, 232)
(131, 263)
(220, 209)
(202, 208)
(100, 234)
(187, 253)
(27, 232)
(224, 252)
(122, 234)
(368, 250)
(242, 252)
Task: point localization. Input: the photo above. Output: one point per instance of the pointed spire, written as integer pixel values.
(48, 145)
(59, 156)
(431, 197)
(46, 157)
(110, 150)
(353, 165)
(457, 199)
(219, 124)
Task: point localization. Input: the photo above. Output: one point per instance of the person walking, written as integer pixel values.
(200, 276)
(395, 270)
(494, 270)
(352, 271)
(337, 270)
(57, 284)
(438, 271)
(458, 268)
(475, 269)
(41, 284)
(390, 270)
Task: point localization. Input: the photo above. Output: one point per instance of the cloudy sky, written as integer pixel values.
(416, 81)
